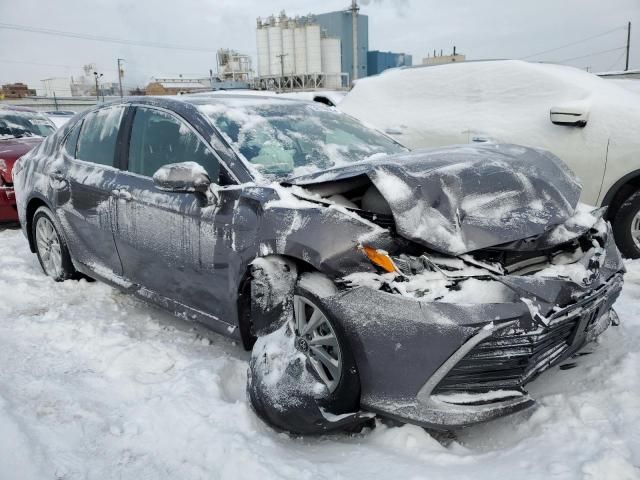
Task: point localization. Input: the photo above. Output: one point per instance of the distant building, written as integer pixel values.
(16, 90)
(233, 66)
(296, 54)
(442, 59)
(339, 24)
(178, 86)
(378, 61)
(56, 86)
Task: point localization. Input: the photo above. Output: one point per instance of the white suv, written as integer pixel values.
(591, 123)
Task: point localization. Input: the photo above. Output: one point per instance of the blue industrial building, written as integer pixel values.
(339, 24)
(378, 61)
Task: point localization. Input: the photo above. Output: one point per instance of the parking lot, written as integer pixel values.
(96, 384)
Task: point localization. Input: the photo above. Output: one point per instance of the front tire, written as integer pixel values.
(302, 376)
(51, 248)
(328, 354)
(626, 226)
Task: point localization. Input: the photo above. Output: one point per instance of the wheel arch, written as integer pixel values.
(620, 191)
(33, 204)
(244, 295)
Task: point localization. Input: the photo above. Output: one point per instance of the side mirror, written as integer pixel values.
(573, 115)
(182, 177)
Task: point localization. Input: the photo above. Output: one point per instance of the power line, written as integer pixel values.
(2, 60)
(99, 38)
(77, 67)
(617, 60)
(591, 54)
(572, 43)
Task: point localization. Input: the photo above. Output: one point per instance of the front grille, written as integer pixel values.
(508, 360)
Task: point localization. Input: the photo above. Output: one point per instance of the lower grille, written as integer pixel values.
(508, 360)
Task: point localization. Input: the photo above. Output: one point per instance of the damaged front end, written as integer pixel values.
(475, 328)
(488, 273)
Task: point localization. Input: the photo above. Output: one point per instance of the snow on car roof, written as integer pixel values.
(457, 102)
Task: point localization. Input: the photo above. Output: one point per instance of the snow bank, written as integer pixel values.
(95, 384)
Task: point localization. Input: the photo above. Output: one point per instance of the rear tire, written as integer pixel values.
(626, 226)
(51, 247)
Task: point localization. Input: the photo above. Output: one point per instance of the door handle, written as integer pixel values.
(58, 180)
(122, 194)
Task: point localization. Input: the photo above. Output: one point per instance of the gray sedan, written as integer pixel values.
(427, 286)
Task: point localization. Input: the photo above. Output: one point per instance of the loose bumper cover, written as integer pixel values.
(447, 365)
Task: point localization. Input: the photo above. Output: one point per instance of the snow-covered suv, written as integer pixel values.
(590, 123)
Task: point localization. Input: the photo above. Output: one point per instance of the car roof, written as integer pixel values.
(211, 98)
(16, 108)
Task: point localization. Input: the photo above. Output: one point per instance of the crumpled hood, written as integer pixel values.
(463, 198)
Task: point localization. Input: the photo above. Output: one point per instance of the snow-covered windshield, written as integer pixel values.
(287, 139)
(16, 124)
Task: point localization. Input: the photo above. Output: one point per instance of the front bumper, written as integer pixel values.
(8, 209)
(447, 365)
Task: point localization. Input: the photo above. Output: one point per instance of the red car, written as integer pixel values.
(21, 129)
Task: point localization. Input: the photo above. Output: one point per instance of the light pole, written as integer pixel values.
(354, 38)
(97, 77)
(120, 75)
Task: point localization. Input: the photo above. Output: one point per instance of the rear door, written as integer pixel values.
(84, 178)
(158, 232)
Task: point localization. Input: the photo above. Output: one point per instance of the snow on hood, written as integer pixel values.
(464, 198)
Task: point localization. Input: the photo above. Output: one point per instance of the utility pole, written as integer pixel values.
(354, 38)
(120, 75)
(281, 57)
(97, 76)
(626, 65)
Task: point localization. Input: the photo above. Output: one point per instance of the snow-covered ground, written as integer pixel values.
(97, 385)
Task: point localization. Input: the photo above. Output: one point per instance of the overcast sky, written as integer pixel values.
(480, 29)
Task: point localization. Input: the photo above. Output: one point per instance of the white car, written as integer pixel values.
(591, 123)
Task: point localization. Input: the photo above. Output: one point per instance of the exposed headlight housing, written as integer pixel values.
(380, 258)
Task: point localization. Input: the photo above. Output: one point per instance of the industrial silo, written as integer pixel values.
(314, 49)
(300, 41)
(288, 48)
(262, 38)
(275, 48)
(331, 61)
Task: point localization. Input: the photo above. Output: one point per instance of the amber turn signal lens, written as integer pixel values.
(379, 258)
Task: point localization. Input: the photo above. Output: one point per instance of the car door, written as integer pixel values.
(158, 232)
(84, 177)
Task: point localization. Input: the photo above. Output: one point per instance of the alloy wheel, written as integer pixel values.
(48, 244)
(316, 338)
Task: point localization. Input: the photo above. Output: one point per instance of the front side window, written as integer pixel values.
(286, 139)
(99, 136)
(158, 138)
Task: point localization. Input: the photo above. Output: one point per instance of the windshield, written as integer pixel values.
(17, 124)
(287, 139)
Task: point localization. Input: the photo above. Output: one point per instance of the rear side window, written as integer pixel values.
(158, 138)
(99, 136)
(72, 140)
